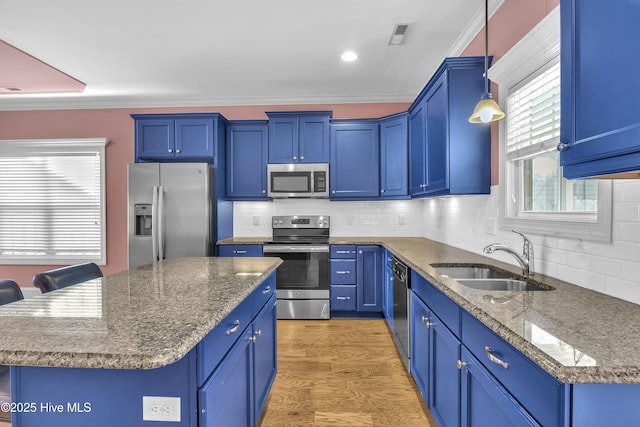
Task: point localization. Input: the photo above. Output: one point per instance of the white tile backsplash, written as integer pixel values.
(612, 268)
(466, 222)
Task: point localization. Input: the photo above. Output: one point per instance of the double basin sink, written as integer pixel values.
(488, 278)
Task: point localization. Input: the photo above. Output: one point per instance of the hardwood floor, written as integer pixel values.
(341, 372)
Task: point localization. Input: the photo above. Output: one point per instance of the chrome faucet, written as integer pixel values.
(525, 260)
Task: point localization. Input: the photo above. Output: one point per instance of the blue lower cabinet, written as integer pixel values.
(419, 358)
(387, 288)
(444, 392)
(264, 355)
(369, 278)
(485, 401)
(343, 297)
(240, 250)
(343, 272)
(226, 399)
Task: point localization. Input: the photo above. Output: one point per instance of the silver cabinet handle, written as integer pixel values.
(240, 251)
(360, 252)
(495, 359)
(343, 272)
(252, 339)
(266, 290)
(178, 151)
(382, 191)
(236, 326)
(295, 157)
(171, 150)
(259, 333)
(343, 298)
(264, 191)
(562, 146)
(344, 252)
(301, 157)
(333, 192)
(425, 320)
(461, 364)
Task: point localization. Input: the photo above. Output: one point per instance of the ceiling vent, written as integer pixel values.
(398, 33)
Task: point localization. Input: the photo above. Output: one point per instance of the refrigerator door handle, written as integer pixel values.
(154, 223)
(160, 223)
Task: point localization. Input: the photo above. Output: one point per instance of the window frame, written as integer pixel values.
(536, 49)
(94, 145)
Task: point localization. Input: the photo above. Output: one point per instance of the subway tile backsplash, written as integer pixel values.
(610, 268)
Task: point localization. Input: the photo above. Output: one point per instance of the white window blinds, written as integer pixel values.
(533, 114)
(52, 201)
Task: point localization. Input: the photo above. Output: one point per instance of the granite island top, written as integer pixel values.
(577, 335)
(144, 318)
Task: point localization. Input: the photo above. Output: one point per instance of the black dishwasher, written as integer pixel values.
(401, 306)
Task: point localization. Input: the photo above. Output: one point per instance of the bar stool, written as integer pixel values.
(9, 292)
(66, 276)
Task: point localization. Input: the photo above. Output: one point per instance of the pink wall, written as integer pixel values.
(117, 125)
(507, 26)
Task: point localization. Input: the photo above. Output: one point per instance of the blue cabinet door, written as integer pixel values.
(355, 160)
(417, 150)
(301, 137)
(419, 359)
(155, 139)
(226, 399)
(485, 401)
(194, 138)
(313, 146)
(394, 152)
(600, 87)
(437, 137)
(264, 354)
(369, 283)
(283, 140)
(444, 375)
(387, 285)
(247, 161)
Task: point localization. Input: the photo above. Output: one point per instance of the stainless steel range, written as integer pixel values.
(302, 282)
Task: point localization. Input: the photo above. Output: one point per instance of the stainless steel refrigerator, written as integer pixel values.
(170, 211)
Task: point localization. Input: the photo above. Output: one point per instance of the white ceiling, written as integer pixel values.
(142, 53)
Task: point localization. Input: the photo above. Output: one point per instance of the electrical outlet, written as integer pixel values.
(490, 226)
(256, 220)
(160, 408)
(401, 219)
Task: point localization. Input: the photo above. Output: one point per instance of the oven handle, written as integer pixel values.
(294, 248)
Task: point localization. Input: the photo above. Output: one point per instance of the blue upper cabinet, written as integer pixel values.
(301, 137)
(449, 155)
(354, 170)
(600, 124)
(394, 152)
(247, 160)
(183, 137)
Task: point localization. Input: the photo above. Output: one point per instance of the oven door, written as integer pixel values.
(304, 273)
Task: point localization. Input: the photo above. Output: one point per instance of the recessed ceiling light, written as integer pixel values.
(349, 56)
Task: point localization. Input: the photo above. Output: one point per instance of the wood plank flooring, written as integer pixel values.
(341, 372)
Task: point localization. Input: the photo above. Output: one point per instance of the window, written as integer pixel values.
(52, 201)
(535, 196)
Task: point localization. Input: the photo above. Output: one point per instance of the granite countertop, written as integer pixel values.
(577, 335)
(138, 319)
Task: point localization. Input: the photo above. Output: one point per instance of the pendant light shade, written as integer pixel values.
(487, 110)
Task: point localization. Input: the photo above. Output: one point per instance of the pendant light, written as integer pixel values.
(487, 110)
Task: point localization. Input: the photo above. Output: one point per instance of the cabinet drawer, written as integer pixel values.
(343, 251)
(343, 297)
(240, 250)
(535, 389)
(217, 343)
(447, 310)
(262, 293)
(343, 272)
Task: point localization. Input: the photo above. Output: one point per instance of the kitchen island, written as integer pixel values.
(157, 343)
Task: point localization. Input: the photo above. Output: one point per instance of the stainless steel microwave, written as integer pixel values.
(298, 180)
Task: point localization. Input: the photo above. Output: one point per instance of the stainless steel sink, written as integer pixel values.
(472, 273)
(500, 285)
(487, 278)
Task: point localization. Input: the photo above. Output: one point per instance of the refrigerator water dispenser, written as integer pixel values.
(143, 219)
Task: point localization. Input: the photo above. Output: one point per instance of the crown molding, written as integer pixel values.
(473, 28)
